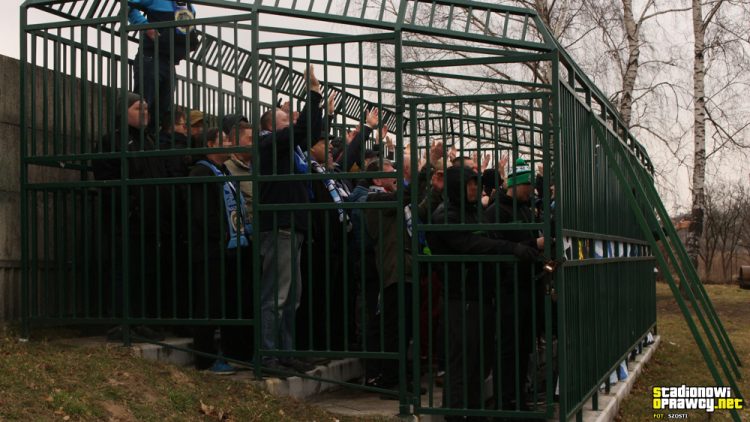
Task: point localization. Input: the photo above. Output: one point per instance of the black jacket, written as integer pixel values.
(386, 243)
(335, 230)
(176, 165)
(208, 219)
(287, 192)
(142, 211)
(501, 211)
(463, 242)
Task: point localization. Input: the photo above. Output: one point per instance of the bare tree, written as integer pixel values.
(712, 233)
(726, 212)
(715, 36)
(736, 205)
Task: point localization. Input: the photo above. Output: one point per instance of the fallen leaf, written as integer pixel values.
(206, 409)
(211, 411)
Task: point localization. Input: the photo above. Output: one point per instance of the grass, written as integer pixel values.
(678, 360)
(45, 380)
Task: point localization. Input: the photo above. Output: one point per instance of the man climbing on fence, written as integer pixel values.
(160, 50)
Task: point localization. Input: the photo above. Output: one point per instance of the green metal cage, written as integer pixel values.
(481, 79)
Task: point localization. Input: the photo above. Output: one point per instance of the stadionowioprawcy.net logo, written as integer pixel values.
(695, 398)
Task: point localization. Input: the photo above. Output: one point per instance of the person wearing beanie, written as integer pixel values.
(469, 301)
(161, 49)
(220, 245)
(230, 121)
(144, 232)
(514, 206)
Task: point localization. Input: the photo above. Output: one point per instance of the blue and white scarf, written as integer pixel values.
(338, 192)
(237, 224)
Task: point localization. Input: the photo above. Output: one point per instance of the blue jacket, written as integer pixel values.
(150, 11)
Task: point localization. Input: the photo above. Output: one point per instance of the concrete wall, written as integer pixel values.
(10, 182)
(10, 190)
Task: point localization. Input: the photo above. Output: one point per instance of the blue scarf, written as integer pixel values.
(337, 192)
(234, 221)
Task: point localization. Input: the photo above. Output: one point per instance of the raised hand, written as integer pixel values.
(503, 164)
(383, 131)
(372, 119)
(332, 103)
(436, 152)
(352, 134)
(312, 81)
(485, 162)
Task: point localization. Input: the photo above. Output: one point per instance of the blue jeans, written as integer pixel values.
(280, 289)
(152, 74)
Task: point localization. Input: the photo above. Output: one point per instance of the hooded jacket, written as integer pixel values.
(462, 242)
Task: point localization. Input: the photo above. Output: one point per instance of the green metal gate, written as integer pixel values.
(479, 79)
(516, 125)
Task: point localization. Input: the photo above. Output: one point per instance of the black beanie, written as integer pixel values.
(131, 97)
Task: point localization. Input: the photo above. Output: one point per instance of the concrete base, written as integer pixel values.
(297, 387)
(357, 403)
(305, 388)
(159, 353)
(349, 402)
(609, 404)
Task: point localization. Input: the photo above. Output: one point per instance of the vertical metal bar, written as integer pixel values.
(25, 294)
(124, 174)
(404, 408)
(255, 112)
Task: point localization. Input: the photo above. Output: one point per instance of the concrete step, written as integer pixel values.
(159, 353)
(302, 388)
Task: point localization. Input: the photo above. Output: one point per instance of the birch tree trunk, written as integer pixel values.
(695, 231)
(632, 32)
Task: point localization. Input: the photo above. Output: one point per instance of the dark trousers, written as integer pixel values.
(321, 319)
(515, 323)
(389, 329)
(156, 74)
(214, 301)
(470, 332)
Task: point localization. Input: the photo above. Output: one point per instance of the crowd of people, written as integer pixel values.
(329, 275)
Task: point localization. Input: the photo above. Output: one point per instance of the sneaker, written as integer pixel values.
(221, 367)
(382, 381)
(297, 365)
